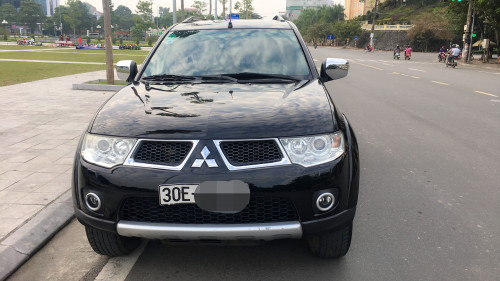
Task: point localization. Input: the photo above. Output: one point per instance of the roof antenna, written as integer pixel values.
(230, 25)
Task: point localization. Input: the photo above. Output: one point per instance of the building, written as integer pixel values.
(92, 10)
(356, 8)
(294, 7)
(48, 6)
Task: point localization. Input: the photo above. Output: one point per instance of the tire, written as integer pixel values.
(110, 244)
(331, 245)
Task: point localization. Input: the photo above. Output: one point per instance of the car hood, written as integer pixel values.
(216, 111)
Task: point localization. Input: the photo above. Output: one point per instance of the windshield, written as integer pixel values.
(229, 51)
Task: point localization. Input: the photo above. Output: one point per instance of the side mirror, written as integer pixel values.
(126, 70)
(332, 69)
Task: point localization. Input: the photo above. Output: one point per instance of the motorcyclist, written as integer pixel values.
(315, 45)
(454, 53)
(408, 51)
(397, 50)
(441, 52)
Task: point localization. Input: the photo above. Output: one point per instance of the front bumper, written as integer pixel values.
(291, 182)
(262, 231)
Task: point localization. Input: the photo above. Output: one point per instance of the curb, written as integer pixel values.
(98, 87)
(24, 242)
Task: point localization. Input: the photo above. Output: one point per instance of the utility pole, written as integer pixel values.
(175, 11)
(215, 11)
(373, 23)
(467, 37)
(110, 75)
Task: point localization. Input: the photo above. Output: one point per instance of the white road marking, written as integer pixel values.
(416, 69)
(315, 60)
(488, 72)
(118, 268)
(495, 100)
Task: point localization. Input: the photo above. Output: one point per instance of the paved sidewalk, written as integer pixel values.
(40, 125)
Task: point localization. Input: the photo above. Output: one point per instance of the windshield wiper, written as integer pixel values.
(189, 79)
(261, 76)
(169, 78)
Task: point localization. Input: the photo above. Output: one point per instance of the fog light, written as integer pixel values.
(92, 201)
(325, 201)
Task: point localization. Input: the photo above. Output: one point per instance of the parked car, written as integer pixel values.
(227, 132)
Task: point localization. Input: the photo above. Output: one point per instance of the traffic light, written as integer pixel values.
(473, 34)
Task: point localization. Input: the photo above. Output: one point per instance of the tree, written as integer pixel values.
(31, 13)
(142, 20)
(108, 42)
(489, 11)
(124, 17)
(200, 6)
(313, 23)
(430, 26)
(245, 8)
(8, 13)
(166, 17)
(76, 16)
(346, 29)
(182, 10)
(223, 2)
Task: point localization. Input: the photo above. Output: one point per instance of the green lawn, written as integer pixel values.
(19, 72)
(76, 55)
(19, 47)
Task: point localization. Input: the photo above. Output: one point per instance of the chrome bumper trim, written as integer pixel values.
(254, 231)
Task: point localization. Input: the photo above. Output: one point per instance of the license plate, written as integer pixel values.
(177, 194)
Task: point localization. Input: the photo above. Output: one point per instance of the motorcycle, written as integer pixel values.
(452, 63)
(442, 57)
(407, 56)
(315, 46)
(396, 55)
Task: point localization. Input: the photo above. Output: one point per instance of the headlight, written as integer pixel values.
(106, 151)
(314, 150)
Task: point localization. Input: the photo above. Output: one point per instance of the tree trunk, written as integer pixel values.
(182, 10)
(224, 9)
(108, 43)
(498, 42)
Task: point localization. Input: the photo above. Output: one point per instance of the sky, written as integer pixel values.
(265, 8)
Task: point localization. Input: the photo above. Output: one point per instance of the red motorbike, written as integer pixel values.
(442, 57)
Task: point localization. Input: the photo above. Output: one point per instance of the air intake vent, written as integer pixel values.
(244, 153)
(259, 210)
(162, 152)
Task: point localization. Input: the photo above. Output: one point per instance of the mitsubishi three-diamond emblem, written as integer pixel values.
(210, 162)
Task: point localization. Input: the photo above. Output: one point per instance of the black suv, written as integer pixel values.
(227, 132)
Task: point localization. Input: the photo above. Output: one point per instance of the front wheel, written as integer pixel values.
(110, 244)
(331, 245)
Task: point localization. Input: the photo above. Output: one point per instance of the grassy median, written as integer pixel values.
(75, 55)
(13, 72)
(19, 72)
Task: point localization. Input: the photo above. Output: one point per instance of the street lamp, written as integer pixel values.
(5, 22)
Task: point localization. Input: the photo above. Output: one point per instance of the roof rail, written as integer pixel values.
(192, 19)
(278, 18)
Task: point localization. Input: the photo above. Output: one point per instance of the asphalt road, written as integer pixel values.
(429, 140)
